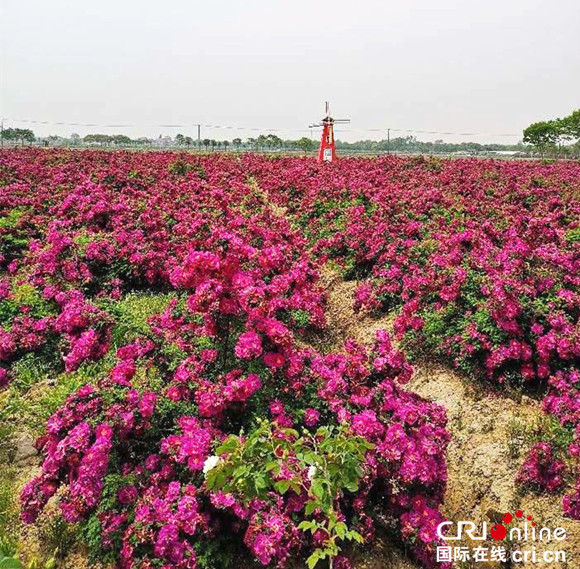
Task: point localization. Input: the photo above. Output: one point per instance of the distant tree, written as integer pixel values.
(180, 140)
(75, 139)
(306, 144)
(542, 135)
(120, 139)
(7, 134)
(555, 134)
(25, 135)
(213, 145)
(225, 144)
(102, 139)
(237, 142)
(21, 135)
(252, 142)
(273, 141)
(206, 142)
(571, 125)
(188, 141)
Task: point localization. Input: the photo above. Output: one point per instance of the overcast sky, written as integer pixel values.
(460, 66)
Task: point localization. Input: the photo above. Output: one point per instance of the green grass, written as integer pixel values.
(132, 312)
(8, 509)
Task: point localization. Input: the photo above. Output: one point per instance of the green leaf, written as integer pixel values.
(307, 525)
(10, 563)
(317, 489)
(355, 535)
(282, 486)
(315, 558)
(310, 507)
(260, 481)
(240, 471)
(352, 486)
(340, 530)
(228, 446)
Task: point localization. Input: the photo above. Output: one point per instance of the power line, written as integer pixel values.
(440, 132)
(255, 129)
(156, 125)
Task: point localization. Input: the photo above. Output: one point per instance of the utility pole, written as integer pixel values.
(388, 141)
(198, 137)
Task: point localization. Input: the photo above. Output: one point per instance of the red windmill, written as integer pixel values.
(327, 150)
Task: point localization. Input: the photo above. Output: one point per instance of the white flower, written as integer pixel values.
(210, 462)
(311, 472)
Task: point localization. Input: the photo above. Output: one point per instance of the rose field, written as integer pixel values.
(215, 360)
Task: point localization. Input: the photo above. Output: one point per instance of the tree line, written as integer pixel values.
(272, 142)
(555, 136)
(558, 137)
(21, 135)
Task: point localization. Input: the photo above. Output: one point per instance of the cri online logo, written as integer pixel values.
(500, 532)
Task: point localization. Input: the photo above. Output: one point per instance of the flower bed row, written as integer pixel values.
(208, 431)
(480, 259)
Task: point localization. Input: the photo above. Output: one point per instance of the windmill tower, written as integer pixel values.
(327, 150)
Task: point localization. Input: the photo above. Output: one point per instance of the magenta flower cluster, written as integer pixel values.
(541, 468)
(129, 454)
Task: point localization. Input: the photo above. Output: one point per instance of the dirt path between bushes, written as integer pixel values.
(487, 444)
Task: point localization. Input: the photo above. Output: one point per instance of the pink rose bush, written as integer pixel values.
(162, 508)
(479, 258)
(141, 458)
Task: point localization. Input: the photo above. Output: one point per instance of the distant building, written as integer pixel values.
(163, 142)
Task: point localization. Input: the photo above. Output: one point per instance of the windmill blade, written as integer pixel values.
(344, 121)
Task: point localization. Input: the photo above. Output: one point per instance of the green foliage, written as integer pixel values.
(38, 390)
(82, 240)
(25, 295)
(544, 134)
(541, 133)
(550, 430)
(181, 168)
(18, 135)
(204, 343)
(31, 369)
(250, 468)
(9, 561)
(12, 238)
(216, 553)
(300, 318)
(57, 537)
(520, 432)
(573, 235)
(132, 313)
(12, 218)
(438, 324)
(8, 506)
(572, 124)
(306, 144)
